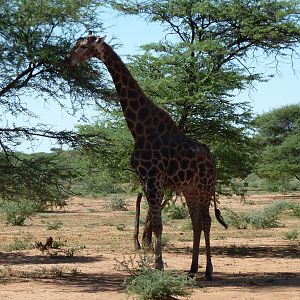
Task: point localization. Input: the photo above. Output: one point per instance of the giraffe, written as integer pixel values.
(163, 157)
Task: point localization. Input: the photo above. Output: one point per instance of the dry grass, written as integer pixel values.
(97, 235)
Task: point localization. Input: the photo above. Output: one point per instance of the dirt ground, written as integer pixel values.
(248, 263)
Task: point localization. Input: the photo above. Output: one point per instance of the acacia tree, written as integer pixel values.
(204, 60)
(278, 134)
(34, 39)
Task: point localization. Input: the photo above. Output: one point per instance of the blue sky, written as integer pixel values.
(282, 89)
(131, 32)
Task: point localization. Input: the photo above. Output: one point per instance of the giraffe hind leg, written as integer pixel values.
(201, 221)
(196, 245)
(197, 229)
(154, 197)
(206, 229)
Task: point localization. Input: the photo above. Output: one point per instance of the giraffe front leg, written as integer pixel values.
(157, 230)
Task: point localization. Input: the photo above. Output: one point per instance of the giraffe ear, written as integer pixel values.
(100, 40)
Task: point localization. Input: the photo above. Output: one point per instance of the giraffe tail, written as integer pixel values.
(218, 213)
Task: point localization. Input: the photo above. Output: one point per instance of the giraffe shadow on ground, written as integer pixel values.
(246, 251)
(252, 280)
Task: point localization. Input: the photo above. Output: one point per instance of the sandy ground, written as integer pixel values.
(248, 264)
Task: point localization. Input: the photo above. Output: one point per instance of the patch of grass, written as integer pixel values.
(145, 283)
(295, 207)
(118, 203)
(268, 217)
(165, 239)
(121, 227)
(54, 225)
(265, 218)
(92, 225)
(176, 212)
(234, 219)
(291, 235)
(109, 223)
(93, 210)
(187, 226)
(56, 272)
(57, 244)
(249, 202)
(149, 284)
(20, 244)
(70, 252)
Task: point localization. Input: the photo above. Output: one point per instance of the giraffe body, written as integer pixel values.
(163, 157)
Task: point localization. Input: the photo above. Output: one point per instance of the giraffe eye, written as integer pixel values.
(83, 47)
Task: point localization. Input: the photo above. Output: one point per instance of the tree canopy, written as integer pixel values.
(34, 39)
(205, 59)
(278, 132)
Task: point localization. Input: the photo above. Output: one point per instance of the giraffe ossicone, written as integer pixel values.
(163, 157)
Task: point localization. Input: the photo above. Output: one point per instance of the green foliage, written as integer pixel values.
(37, 180)
(20, 244)
(268, 217)
(176, 212)
(235, 219)
(197, 69)
(54, 225)
(112, 161)
(16, 212)
(121, 226)
(70, 252)
(58, 244)
(265, 218)
(291, 235)
(34, 39)
(93, 181)
(165, 239)
(295, 210)
(145, 283)
(118, 203)
(154, 284)
(106, 168)
(278, 132)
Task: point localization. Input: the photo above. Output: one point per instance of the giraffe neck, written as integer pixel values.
(139, 111)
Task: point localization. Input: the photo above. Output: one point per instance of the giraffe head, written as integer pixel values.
(85, 48)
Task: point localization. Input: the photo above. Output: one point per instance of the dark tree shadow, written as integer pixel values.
(257, 280)
(111, 280)
(10, 259)
(82, 282)
(245, 251)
